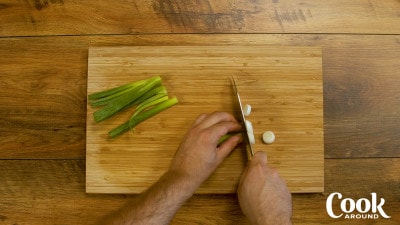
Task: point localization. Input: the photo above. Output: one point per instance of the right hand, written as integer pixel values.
(263, 195)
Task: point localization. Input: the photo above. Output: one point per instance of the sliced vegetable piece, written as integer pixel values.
(105, 100)
(125, 100)
(247, 110)
(155, 100)
(112, 91)
(226, 137)
(268, 137)
(250, 133)
(146, 103)
(252, 139)
(249, 126)
(143, 116)
(157, 90)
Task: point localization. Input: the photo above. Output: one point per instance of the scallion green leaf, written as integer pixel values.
(143, 116)
(116, 90)
(124, 100)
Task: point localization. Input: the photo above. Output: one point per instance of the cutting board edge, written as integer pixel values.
(310, 47)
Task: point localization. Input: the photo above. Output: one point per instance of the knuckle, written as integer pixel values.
(274, 172)
(221, 114)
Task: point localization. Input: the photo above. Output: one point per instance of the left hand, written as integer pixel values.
(199, 154)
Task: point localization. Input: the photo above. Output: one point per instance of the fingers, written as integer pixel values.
(223, 128)
(260, 161)
(259, 157)
(216, 125)
(199, 119)
(209, 120)
(227, 146)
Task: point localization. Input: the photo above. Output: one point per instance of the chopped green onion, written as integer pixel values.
(116, 90)
(224, 138)
(109, 98)
(143, 116)
(149, 96)
(125, 100)
(146, 102)
(150, 102)
(152, 92)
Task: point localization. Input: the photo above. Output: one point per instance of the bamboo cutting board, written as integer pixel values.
(282, 84)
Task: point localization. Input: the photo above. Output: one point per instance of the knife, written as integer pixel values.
(239, 103)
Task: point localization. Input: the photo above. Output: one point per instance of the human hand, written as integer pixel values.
(199, 154)
(263, 195)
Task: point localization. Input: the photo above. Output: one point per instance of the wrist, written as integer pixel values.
(190, 176)
(183, 180)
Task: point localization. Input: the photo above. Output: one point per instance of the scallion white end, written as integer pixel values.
(268, 137)
(247, 110)
(252, 139)
(250, 132)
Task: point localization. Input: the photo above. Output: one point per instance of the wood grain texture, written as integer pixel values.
(283, 85)
(40, 71)
(362, 103)
(42, 95)
(53, 192)
(63, 17)
(361, 106)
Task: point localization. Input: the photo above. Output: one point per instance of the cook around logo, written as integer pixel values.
(363, 208)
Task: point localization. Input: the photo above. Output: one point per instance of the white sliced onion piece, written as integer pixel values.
(247, 110)
(249, 126)
(268, 137)
(250, 133)
(252, 139)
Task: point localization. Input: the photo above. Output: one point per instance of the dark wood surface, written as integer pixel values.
(43, 74)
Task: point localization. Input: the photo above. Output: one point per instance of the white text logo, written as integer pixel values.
(361, 209)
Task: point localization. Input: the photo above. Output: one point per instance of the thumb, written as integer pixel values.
(260, 157)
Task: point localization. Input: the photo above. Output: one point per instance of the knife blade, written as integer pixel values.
(239, 103)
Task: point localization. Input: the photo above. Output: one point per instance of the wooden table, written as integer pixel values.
(43, 73)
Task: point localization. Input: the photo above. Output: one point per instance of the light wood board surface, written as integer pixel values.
(283, 85)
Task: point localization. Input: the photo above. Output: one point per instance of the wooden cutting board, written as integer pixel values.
(282, 84)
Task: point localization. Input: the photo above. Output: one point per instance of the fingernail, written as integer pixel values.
(261, 157)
